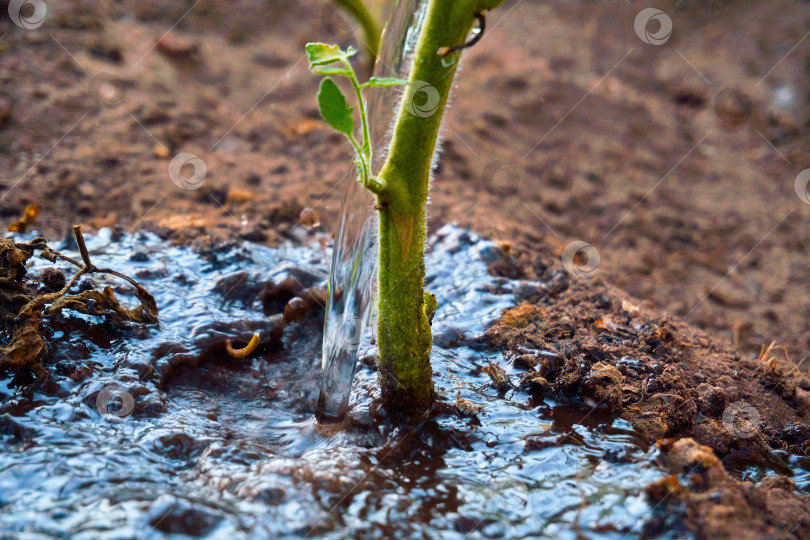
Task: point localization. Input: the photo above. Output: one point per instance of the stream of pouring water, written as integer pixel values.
(354, 259)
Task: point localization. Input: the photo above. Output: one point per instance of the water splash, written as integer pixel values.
(354, 259)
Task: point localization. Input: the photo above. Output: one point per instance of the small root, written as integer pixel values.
(242, 353)
(769, 359)
(22, 314)
(464, 407)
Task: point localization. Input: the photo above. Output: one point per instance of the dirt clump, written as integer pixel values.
(703, 402)
(604, 383)
(712, 504)
(664, 376)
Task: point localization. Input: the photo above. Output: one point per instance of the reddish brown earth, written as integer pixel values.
(717, 506)
(613, 141)
(630, 147)
(584, 339)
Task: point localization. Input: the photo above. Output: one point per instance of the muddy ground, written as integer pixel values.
(688, 195)
(703, 403)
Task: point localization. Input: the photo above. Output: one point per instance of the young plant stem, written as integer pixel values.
(371, 30)
(358, 92)
(404, 309)
(403, 328)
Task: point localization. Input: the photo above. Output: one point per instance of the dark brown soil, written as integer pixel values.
(579, 339)
(667, 378)
(606, 139)
(714, 505)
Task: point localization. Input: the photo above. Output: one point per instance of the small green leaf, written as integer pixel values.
(321, 54)
(383, 81)
(332, 70)
(333, 107)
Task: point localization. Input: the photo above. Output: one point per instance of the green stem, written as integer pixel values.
(371, 31)
(363, 164)
(358, 91)
(403, 331)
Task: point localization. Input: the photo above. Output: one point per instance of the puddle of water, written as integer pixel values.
(797, 468)
(228, 448)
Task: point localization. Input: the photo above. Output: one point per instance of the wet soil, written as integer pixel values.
(597, 137)
(575, 337)
(713, 505)
(144, 431)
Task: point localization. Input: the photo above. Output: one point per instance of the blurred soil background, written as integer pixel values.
(564, 126)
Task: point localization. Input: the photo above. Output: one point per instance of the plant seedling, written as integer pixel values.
(335, 109)
(404, 309)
